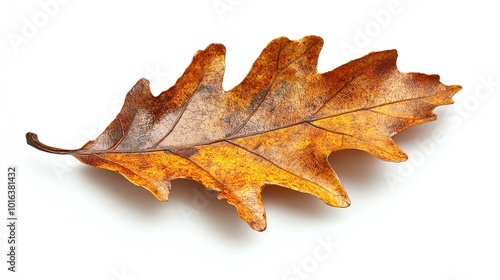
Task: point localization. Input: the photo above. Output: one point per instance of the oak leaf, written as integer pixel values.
(278, 126)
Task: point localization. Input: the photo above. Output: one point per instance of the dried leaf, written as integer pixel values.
(278, 126)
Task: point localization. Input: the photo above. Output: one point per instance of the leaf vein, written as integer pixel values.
(270, 161)
(185, 105)
(278, 72)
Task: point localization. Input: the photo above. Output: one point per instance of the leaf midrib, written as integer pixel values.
(172, 149)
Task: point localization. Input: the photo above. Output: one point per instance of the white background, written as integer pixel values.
(437, 216)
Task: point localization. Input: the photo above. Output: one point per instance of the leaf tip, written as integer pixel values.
(400, 157)
(249, 207)
(455, 88)
(162, 192)
(314, 38)
(258, 225)
(452, 90)
(255, 219)
(392, 52)
(343, 202)
(216, 48)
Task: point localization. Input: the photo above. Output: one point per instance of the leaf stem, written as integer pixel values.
(32, 140)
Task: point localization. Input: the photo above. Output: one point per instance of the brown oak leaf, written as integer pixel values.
(278, 126)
